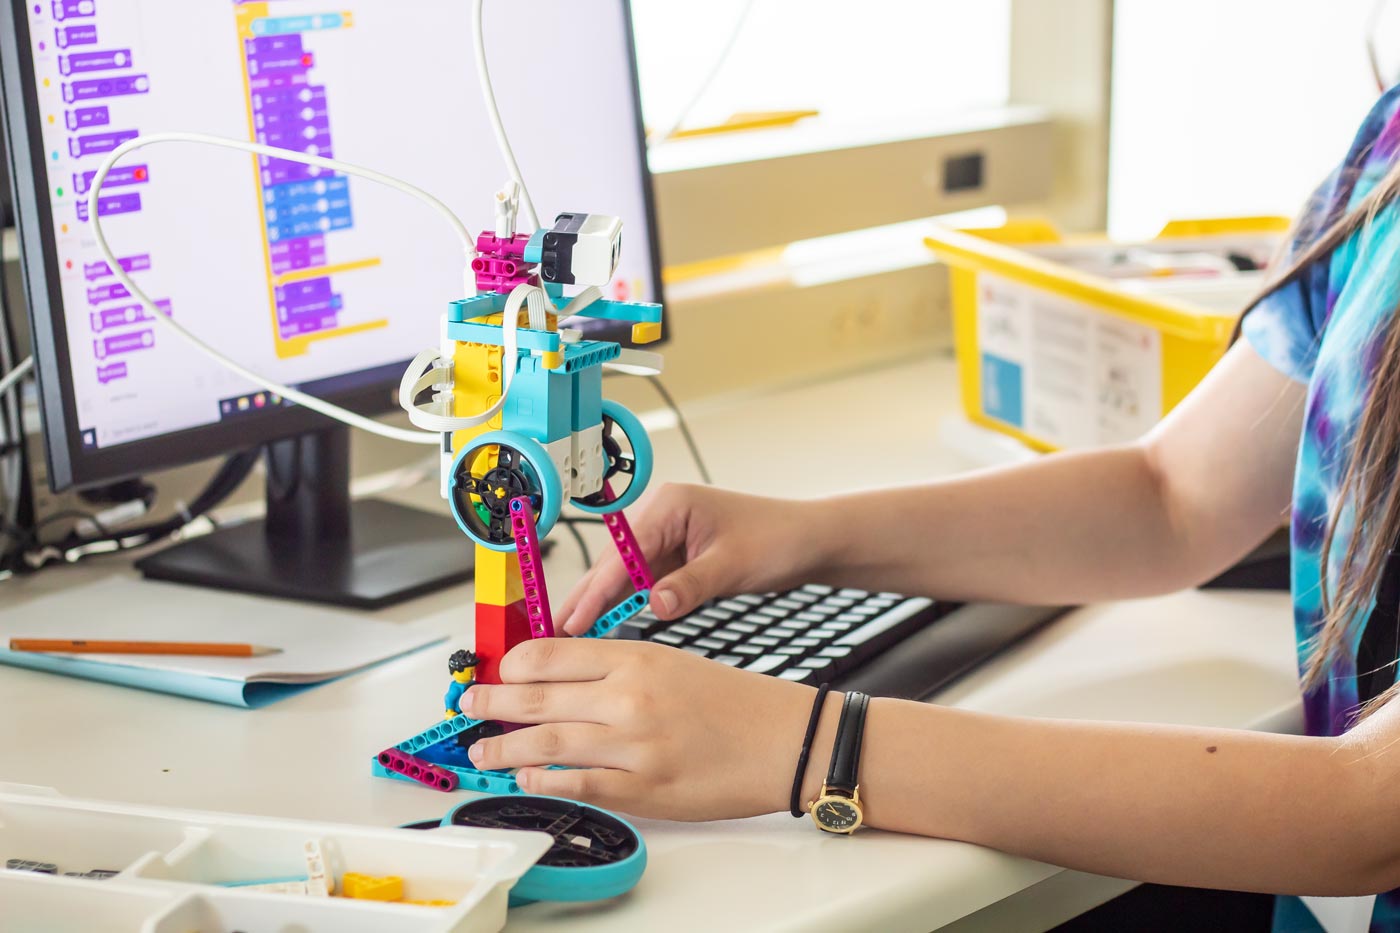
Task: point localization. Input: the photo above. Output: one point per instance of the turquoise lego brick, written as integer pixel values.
(534, 247)
(464, 309)
(619, 614)
(586, 353)
(556, 293)
(467, 332)
(437, 732)
(635, 311)
(539, 405)
(588, 397)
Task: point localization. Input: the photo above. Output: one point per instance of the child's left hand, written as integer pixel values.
(662, 733)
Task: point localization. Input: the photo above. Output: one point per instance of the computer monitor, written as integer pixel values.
(318, 280)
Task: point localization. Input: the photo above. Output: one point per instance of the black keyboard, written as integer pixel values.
(815, 634)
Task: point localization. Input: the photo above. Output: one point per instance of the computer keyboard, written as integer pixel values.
(816, 634)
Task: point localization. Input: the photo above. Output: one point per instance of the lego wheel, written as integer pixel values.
(632, 461)
(495, 468)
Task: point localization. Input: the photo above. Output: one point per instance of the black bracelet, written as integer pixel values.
(793, 805)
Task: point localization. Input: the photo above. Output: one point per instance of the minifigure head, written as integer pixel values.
(462, 665)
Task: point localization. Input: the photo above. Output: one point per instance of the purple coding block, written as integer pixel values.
(303, 253)
(281, 80)
(112, 204)
(84, 34)
(79, 146)
(262, 66)
(125, 315)
(124, 343)
(116, 178)
(299, 137)
(97, 88)
(63, 9)
(287, 43)
(280, 171)
(295, 118)
(81, 62)
(283, 98)
(98, 270)
(110, 292)
(115, 371)
(85, 117)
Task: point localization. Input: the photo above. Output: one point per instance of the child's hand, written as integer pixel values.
(702, 542)
(663, 733)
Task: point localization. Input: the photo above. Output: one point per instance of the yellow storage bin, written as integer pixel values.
(1077, 343)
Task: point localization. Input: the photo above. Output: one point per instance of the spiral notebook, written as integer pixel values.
(316, 644)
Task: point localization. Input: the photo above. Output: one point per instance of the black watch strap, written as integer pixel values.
(845, 754)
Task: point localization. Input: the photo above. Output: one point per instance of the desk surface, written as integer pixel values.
(1219, 659)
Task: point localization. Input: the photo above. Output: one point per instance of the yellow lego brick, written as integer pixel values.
(371, 888)
(497, 577)
(552, 360)
(646, 332)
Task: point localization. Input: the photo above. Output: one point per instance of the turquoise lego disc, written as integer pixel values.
(532, 470)
(596, 854)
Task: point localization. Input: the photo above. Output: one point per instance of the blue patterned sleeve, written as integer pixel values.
(1285, 327)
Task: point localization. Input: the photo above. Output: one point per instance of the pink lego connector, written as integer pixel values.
(632, 557)
(527, 550)
(418, 769)
(501, 265)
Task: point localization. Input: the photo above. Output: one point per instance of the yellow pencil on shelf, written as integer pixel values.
(91, 646)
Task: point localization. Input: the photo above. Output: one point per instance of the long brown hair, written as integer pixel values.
(1369, 483)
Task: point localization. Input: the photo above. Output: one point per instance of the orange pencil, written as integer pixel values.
(88, 646)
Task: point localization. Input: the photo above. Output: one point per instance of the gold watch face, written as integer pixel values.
(836, 814)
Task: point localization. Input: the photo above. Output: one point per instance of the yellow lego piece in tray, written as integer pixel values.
(371, 888)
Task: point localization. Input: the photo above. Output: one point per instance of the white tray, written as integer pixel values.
(172, 864)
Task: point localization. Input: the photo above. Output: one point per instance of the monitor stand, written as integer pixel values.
(317, 545)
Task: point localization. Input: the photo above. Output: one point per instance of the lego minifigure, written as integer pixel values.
(462, 667)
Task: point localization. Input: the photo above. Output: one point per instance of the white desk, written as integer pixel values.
(1218, 659)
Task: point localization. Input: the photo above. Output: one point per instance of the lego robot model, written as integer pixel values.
(517, 394)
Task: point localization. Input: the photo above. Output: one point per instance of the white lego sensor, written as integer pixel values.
(581, 249)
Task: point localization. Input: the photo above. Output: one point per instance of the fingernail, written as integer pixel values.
(465, 704)
(475, 753)
(667, 599)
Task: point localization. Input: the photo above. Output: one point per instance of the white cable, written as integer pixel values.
(493, 112)
(287, 392)
(16, 374)
(660, 136)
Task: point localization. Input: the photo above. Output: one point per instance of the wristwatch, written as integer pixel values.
(837, 807)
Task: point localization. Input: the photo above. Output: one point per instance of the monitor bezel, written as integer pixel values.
(69, 463)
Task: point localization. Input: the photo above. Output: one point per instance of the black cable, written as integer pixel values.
(685, 430)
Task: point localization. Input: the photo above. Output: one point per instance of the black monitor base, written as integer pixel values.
(316, 545)
(393, 553)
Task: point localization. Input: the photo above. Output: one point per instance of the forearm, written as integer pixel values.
(1185, 806)
(1070, 528)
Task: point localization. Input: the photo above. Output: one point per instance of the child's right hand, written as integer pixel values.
(703, 542)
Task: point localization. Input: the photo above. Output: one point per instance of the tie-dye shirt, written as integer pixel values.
(1328, 330)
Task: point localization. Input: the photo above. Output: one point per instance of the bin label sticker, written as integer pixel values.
(1063, 372)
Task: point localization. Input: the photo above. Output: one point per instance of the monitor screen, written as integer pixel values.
(320, 280)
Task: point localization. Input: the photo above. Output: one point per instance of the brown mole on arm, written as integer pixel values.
(1211, 749)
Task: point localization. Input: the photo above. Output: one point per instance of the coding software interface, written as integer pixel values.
(300, 274)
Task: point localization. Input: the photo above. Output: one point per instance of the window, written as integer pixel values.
(854, 60)
(1233, 108)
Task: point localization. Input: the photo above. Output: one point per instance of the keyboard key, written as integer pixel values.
(767, 664)
(880, 602)
(788, 604)
(711, 644)
(791, 650)
(826, 633)
(733, 660)
(686, 629)
(748, 628)
(820, 589)
(786, 632)
(728, 636)
(668, 638)
(751, 650)
(714, 612)
(893, 597)
(694, 650)
(839, 601)
(835, 652)
(810, 616)
(821, 668)
(806, 642)
(701, 622)
(796, 674)
(767, 641)
(754, 618)
(739, 604)
(853, 593)
(850, 617)
(745, 601)
(775, 612)
(875, 631)
(802, 596)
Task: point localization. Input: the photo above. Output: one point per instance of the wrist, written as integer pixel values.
(822, 745)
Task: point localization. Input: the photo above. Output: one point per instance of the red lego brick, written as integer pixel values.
(498, 629)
